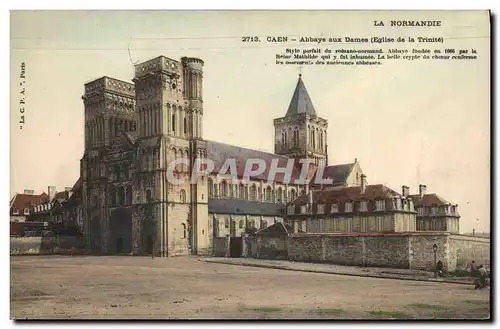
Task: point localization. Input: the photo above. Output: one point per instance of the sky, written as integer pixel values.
(407, 122)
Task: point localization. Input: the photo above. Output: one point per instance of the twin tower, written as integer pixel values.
(166, 97)
(132, 131)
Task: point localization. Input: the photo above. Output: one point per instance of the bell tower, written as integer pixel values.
(169, 106)
(301, 133)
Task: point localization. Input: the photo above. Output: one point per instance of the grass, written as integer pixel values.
(428, 306)
(392, 314)
(328, 310)
(265, 309)
(477, 302)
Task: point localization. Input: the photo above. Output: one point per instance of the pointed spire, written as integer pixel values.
(301, 102)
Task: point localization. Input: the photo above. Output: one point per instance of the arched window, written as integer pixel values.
(113, 196)
(129, 195)
(117, 172)
(223, 188)
(283, 139)
(241, 223)
(253, 192)
(269, 194)
(242, 191)
(313, 138)
(126, 172)
(290, 137)
(302, 192)
(321, 144)
(231, 190)
(174, 110)
(148, 195)
(216, 190)
(285, 144)
(293, 195)
(121, 196)
(210, 188)
(180, 165)
(183, 196)
(279, 195)
(184, 231)
(226, 223)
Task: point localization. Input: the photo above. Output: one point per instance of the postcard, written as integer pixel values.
(250, 165)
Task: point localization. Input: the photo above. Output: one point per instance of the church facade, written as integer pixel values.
(134, 130)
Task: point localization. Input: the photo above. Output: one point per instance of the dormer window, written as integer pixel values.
(320, 209)
(363, 206)
(335, 208)
(303, 209)
(348, 207)
(380, 205)
(15, 212)
(291, 209)
(26, 211)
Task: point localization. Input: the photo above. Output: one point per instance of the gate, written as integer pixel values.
(235, 246)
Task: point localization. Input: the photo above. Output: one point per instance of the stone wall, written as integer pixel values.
(250, 247)
(463, 249)
(422, 252)
(221, 247)
(382, 251)
(46, 245)
(397, 250)
(271, 247)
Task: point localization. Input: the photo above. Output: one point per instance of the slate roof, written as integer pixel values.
(77, 186)
(60, 196)
(219, 152)
(301, 102)
(22, 201)
(338, 173)
(244, 207)
(428, 200)
(353, 193)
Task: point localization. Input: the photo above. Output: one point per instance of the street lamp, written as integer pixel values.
(435, 248)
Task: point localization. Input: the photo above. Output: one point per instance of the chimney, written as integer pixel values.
(363, 183)
(30, 192)
(406, 191)
(421, 190)
(51, 192)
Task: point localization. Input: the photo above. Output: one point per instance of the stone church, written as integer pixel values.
(134, 130)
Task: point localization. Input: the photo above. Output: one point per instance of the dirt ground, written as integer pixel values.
(53, 287)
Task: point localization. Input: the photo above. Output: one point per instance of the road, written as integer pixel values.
(57, 287)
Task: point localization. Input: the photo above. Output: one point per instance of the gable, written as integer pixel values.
(354, 176)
